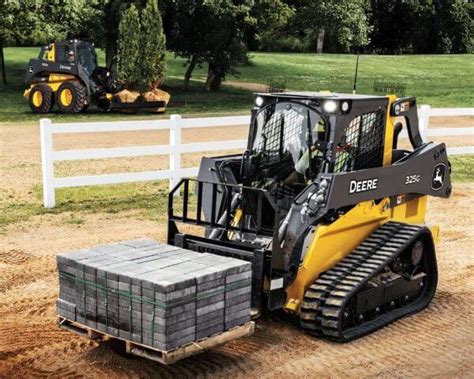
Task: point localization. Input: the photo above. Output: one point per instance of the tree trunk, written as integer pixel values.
(189, 71)
(214, 81)
(320, 42)
(2, 62)
(110, 50)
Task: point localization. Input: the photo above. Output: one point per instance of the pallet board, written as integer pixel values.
(161, 356)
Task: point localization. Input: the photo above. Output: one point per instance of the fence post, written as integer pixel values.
(175, 154)
(47, 163)
(423, 120)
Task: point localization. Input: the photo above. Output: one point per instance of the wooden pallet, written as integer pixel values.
(164, 357)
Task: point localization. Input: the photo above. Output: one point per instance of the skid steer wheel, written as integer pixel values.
(41, 98)
(71, 97)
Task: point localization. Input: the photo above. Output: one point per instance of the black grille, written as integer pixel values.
(279, 128)
(362, 144)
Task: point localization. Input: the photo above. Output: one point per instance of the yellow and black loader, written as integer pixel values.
(328, 209)
(66, 74)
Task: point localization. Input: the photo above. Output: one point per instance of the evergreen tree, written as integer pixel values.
(129, 49)
(153, 46)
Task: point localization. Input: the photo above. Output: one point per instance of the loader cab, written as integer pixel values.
(340, 133)
(78, 53)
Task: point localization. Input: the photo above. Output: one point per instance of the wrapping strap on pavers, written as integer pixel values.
(152, 327)
(106, 302)
(84, 291)
(130, 304)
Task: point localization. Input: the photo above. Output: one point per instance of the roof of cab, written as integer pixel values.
(320, 95)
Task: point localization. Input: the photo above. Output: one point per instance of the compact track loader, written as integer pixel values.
(327, 207)
(67, 74)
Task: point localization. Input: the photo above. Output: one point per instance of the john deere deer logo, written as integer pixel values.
(438, 176)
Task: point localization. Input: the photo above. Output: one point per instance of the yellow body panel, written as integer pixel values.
(54, 81)
(52, 53)
(331, 243)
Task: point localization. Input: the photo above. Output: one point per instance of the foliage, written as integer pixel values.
(153, 46)
(211, 31)
(453, 26)
(283, 42)
(424, 26)
(129, 49)
(345, 21)
(43, 21)
(270, 18)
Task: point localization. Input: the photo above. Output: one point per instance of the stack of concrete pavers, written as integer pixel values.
(154, 294)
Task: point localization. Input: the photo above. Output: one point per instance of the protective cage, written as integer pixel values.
(362, 144)
(189, 207)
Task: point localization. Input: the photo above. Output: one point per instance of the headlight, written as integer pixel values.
(259, 101)
(345, 106)
(330, 106)
(397, 109)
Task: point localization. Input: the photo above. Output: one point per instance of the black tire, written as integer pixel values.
(77, 95)
(41, 99)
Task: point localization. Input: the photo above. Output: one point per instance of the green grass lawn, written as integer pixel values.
(438, 80)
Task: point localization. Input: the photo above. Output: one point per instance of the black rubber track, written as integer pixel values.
(325, 301)
(79, 97)
(47, 103)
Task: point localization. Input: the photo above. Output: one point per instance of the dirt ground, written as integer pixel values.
(435, 343)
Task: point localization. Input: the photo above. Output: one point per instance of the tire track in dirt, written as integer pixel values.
(18, 267)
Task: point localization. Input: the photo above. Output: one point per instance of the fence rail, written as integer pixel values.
(175, 124)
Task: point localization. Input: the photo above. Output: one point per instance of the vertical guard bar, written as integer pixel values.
(228, 206)
(185, 200)
(259, 212)
(213, 205)
(199, 203)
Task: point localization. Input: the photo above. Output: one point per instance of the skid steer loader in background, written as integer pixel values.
(328, 209)
(67, 74)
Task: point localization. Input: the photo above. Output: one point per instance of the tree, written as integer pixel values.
(153, 46)
(424, 26)
(453, 25)
(408, 30)
(344, 22)
(226, 47)
(270, 18)
(210, 31)
(129, 49)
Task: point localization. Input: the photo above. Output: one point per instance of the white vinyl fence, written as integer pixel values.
(175, 148)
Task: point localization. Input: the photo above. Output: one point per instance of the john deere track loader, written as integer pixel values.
(66, 74)
(327, 207)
